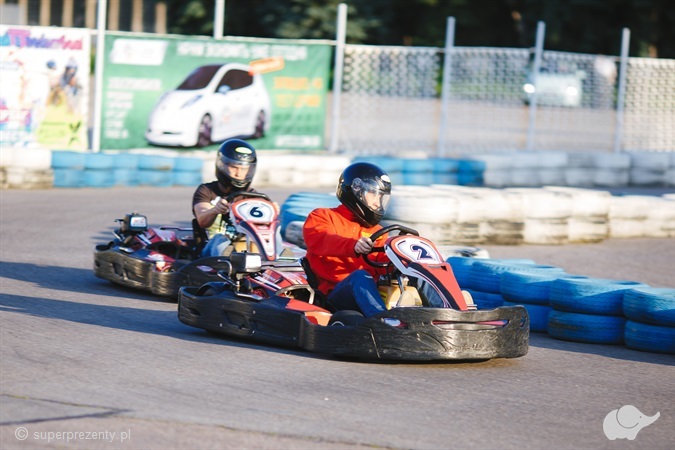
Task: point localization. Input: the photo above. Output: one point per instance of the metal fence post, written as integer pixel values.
(219, 19)
(539, 49)
(98, 74)
(445, 87)
(621, 95)
(337, 75)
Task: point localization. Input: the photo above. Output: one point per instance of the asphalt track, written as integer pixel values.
(86, 364)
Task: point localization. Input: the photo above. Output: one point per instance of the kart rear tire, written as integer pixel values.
(346, 318)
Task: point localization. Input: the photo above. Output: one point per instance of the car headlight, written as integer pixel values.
(192, 101)
(572, 91)
(529, 88)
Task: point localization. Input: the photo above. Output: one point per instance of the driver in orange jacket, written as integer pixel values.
(337, 238)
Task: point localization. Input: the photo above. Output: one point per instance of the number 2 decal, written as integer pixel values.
(422, 252)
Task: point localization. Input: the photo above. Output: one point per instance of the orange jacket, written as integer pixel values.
(330, 235)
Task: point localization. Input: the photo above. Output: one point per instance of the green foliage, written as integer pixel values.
(585, 26)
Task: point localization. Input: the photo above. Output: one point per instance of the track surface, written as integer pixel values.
(79, 354)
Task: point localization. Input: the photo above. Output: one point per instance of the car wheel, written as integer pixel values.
(204, 135)
(346, 318)
(259, 130)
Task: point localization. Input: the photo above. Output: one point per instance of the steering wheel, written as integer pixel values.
(402, 229)
(246, 194)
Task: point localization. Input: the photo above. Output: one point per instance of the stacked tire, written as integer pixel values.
(531, 290)
(650, 314)
(187, 171)
(485, 278)
(26, 168)
(588, 309)
(155, 170)
(99, 170)
(68, 168)
(296, 208)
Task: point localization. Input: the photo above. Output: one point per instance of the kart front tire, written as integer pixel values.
(346, 318)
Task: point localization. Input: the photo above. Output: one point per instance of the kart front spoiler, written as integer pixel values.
(422, 334)
(411, 334)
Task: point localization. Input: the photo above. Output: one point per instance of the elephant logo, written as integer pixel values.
(626, 422)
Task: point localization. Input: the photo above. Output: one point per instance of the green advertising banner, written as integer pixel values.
(44, 87)
(175, 91)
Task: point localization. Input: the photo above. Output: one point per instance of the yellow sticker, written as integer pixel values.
(245, 150)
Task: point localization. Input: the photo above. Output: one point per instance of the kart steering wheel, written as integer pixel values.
(246, 194)
(402, 229)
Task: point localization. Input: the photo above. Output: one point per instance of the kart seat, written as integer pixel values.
(200, 237)
(313, 281)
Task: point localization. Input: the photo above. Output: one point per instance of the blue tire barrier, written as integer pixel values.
(68, 178)
(125, 177)
(486, 275)
(187, 178)
(471, 165)
(470, 172)
(590, 295)
(417, 165)
(445, 165)
(589, 328)
(126, 161)
(158, 178)
(445, 178)
(99, 161)
(470, 178)
(184, 164)
(461, 268)
(528, 287)
(99, 178)
(66, 159)
(387, 163)
(650, 305)
(486, 300)
(649, 338)
(538, 315)
(155, 162)
(417, 178)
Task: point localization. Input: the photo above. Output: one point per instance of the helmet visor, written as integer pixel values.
(236, 170)
(371, 195)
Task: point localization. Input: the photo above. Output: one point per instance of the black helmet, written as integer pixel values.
(356, 183)
(235, 152)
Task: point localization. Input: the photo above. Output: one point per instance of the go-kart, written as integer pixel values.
(410, 329)
(162, 259)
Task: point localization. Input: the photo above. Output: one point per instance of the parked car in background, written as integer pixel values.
(554, 89)
(558, 83)
(215, 102)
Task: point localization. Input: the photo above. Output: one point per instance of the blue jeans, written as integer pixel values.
(357, 292)
(216, 245)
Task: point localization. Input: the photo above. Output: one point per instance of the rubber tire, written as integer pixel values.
(347, 318)
(649, 338)
(590, 295)
(655, 306)
(589, 328)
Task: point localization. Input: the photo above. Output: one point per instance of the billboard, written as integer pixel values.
(44, 93)
(185, 92)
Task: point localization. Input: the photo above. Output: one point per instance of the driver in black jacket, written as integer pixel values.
(235, 168)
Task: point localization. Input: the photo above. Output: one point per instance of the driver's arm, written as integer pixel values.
(206, 212)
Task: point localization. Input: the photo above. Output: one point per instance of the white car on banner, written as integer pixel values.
(215, 102)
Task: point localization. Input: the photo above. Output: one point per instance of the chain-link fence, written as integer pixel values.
(389, 99)
(392, 101)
